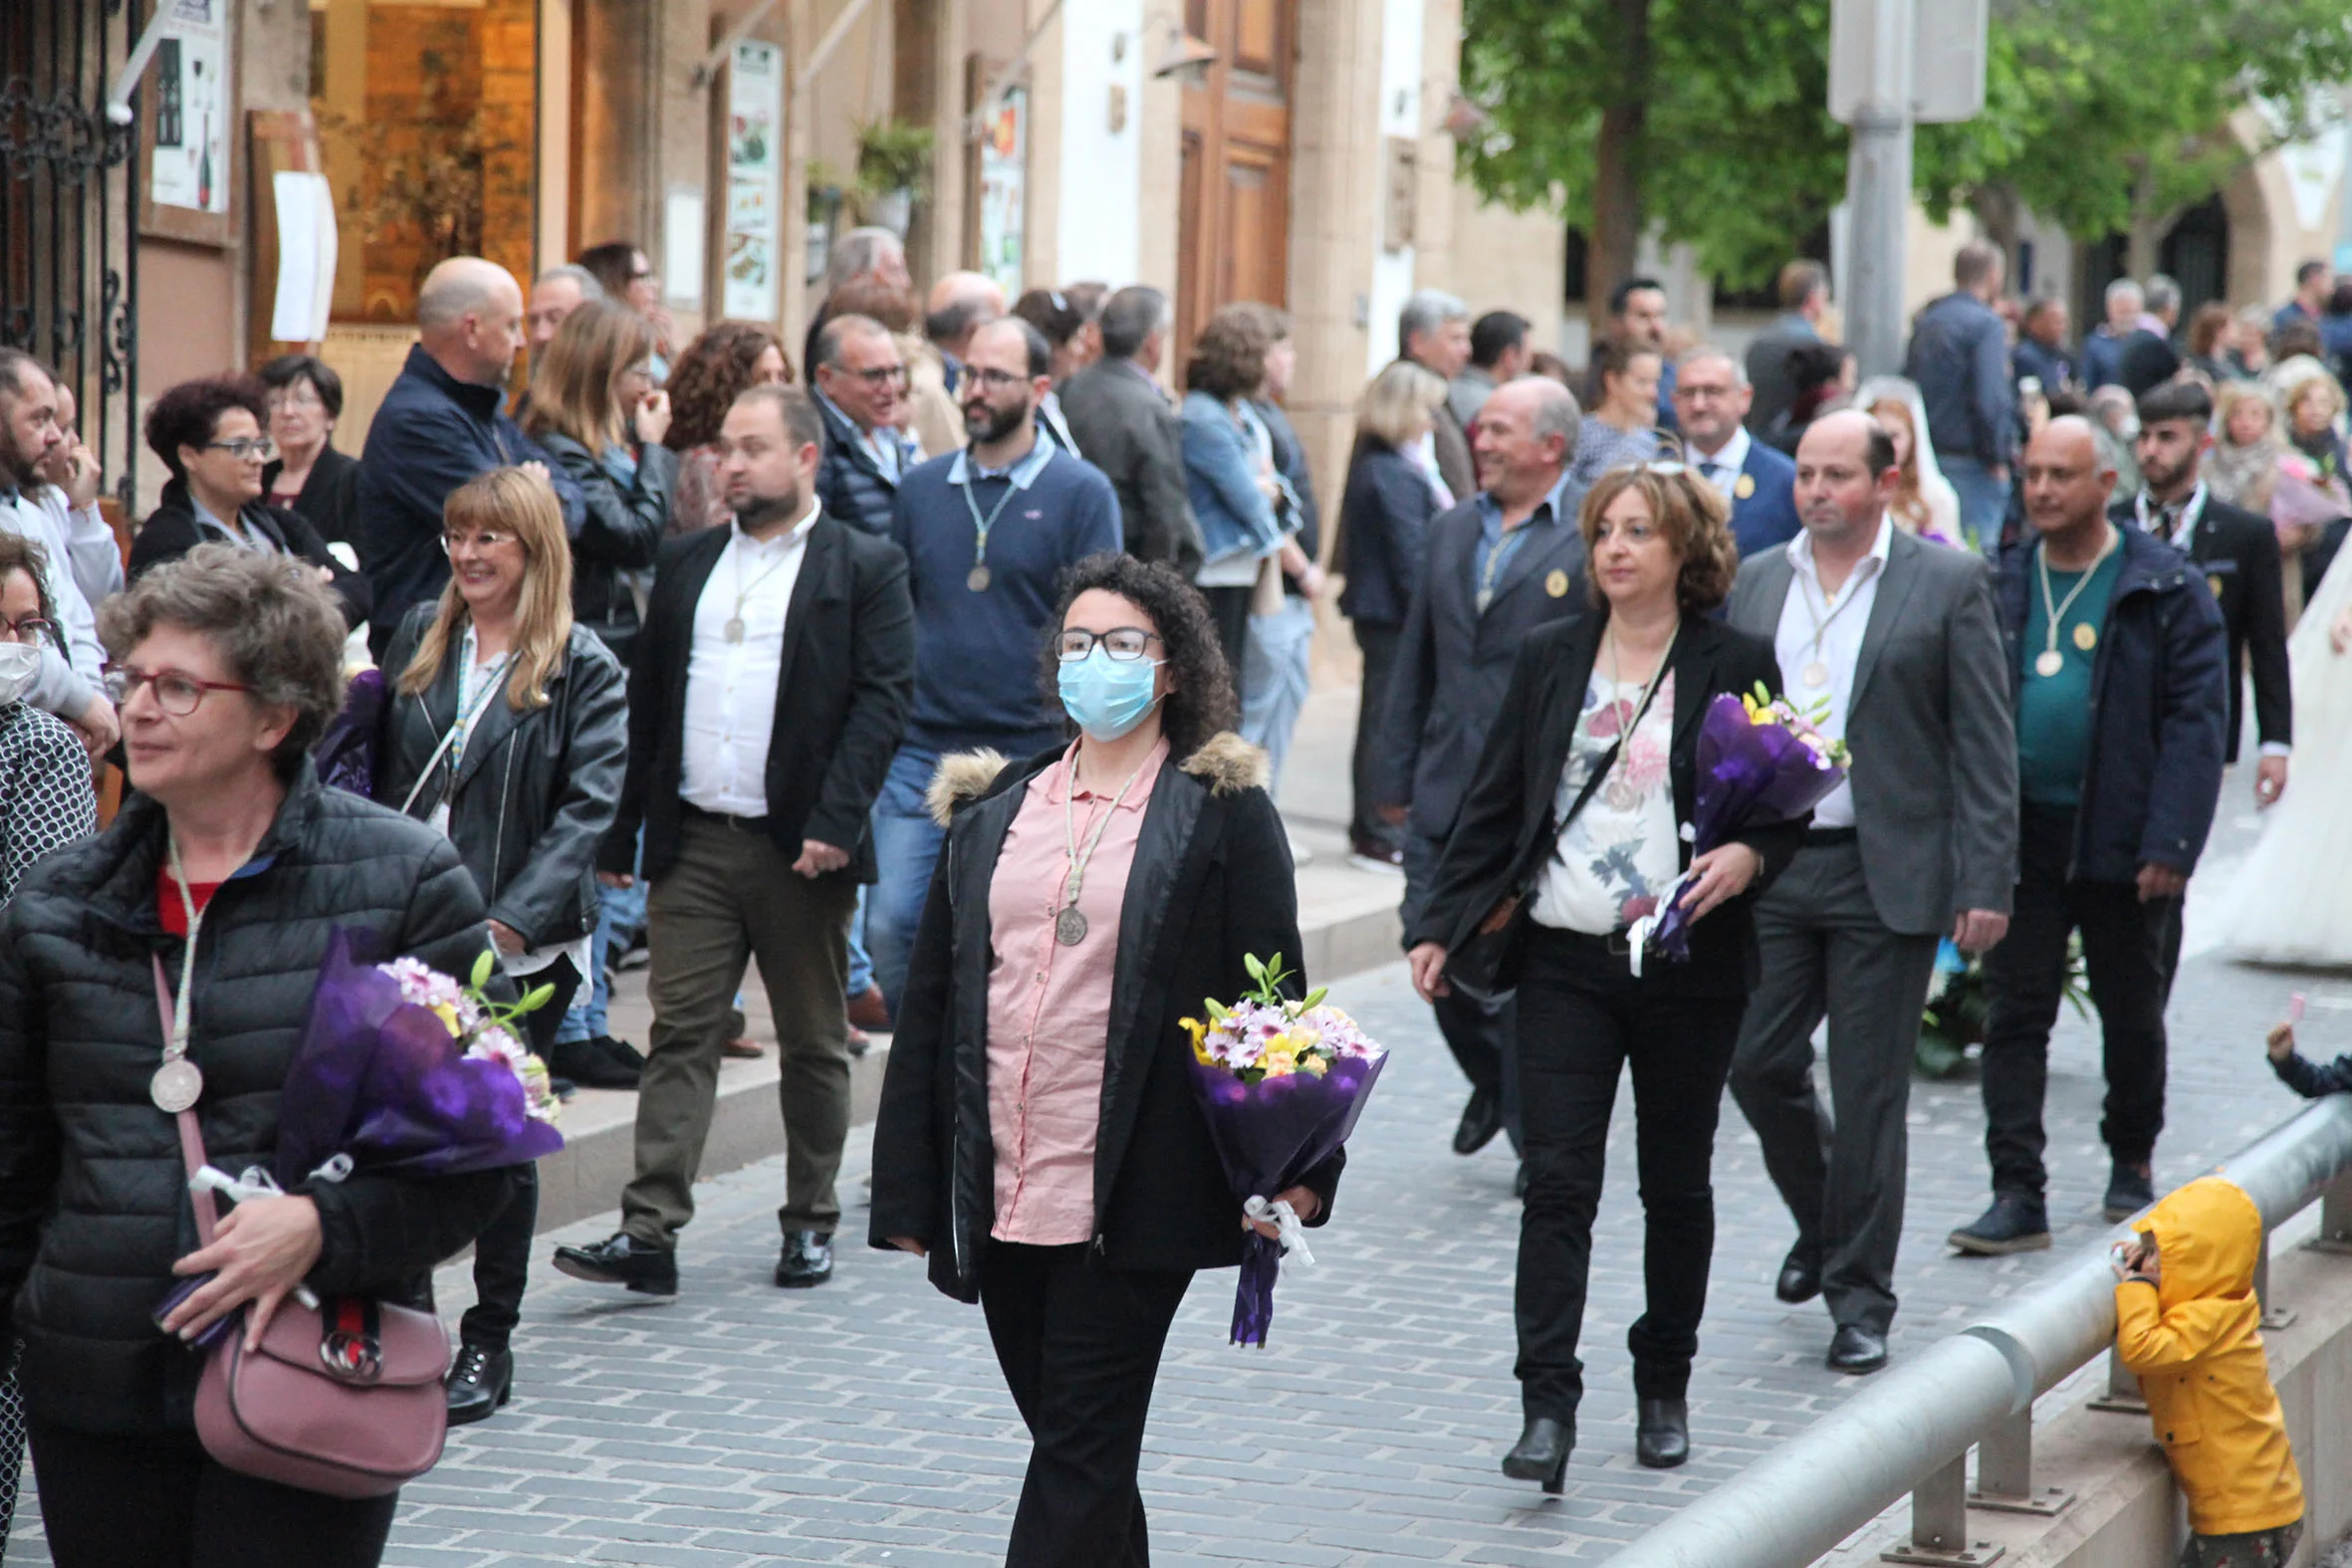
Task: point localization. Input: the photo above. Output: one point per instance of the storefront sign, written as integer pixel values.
(755, 184)
(1003, 192)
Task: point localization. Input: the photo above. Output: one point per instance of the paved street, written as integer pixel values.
(864, 1422)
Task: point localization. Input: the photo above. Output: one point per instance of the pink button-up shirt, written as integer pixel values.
(1049, 1006)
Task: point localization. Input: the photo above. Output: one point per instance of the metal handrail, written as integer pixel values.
(1911, 1430)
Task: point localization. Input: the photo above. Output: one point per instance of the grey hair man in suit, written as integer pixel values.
(1901, 642)
(1496, 566)
(1123, 423)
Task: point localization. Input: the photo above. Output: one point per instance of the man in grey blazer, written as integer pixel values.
(1496, 566)
(1124, 425)
(1900, 643)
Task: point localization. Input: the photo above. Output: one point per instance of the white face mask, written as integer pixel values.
(20, 666)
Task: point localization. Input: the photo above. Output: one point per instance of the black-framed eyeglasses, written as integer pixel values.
(245, 447)
(33, 629)
(1120, 642)
(992, 380)
(176, 691)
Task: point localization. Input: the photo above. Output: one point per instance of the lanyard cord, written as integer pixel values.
(2057, 615)
(981, 527)
(177, 1046)
(1822, 622)
(743, 593)
(1649, 689)
(461, 722)
(1070, 794)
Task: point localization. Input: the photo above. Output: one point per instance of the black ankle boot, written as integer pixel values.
(1542, 1453)
(1662, 1433)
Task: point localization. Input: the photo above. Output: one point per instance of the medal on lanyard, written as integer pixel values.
(977, 580)
(178, 1083)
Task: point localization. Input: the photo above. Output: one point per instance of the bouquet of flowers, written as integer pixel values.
(1762, 761)
(1280, 1081)
(403, 1070)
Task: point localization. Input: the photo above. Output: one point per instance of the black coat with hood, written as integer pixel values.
(533, 792)
(621, 533)
(1211, 882)
(93, 1206)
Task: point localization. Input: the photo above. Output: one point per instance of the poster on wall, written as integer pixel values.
(755, 183)
(190, 103)
(1003, 182)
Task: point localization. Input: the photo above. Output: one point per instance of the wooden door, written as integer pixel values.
(1233, 239)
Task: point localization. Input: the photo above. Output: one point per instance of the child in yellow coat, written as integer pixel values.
(2186, 1321)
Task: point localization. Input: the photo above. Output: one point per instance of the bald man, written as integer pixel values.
(2117, 656)
(443, 423)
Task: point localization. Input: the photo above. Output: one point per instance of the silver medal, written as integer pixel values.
(2050, 663)
(734, 629)
(177, 1085)
(1816, 675)
(977, 580)
(1070, 927)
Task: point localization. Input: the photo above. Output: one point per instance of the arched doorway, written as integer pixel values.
(2196, 255)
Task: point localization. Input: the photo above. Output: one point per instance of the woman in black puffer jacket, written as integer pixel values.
(227, 665)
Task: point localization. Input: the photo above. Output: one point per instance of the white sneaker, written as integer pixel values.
(1301, 855)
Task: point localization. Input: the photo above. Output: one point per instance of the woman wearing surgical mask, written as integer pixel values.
(45, 790)
(1038, 1140)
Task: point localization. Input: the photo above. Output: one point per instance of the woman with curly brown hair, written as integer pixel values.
(728, 359)
(1570, 828)
(1043, 1153)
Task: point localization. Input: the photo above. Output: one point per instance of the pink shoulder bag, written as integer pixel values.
(343, 1397)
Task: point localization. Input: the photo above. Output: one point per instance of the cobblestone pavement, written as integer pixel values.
(864, 1422)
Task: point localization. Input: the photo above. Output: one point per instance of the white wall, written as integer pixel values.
(1400, 115)
(1097, 228)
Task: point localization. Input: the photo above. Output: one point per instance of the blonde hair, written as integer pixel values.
(507, 498)
(572, 388)
(2322, 384)
(1910, 510)
(1397, 403)
(2232, 393)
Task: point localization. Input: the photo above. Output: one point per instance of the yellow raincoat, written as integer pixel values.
(2197, 1344)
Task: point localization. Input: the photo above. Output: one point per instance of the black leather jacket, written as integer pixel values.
(621, 533)
(533, 792)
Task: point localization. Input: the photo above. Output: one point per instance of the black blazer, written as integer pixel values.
(2237, 552)
(1211, 882)
(841, 698)
(172, 531)
(330, 498)
(1506, 830)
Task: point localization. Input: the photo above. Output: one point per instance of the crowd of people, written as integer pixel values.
(947, 674)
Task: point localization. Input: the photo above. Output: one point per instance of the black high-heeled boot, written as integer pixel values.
(1542, 1453)
(1662, 1433)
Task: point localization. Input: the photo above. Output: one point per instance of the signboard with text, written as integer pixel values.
(748, 259)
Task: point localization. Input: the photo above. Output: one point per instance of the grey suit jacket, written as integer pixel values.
(1453, 663)
(1934, 742)
(1123, 425)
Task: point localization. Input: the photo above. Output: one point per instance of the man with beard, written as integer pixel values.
(987, 532)
(767, 692)
(36, 451)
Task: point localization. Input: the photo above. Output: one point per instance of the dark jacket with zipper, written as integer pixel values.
(622, 532)
(1506, 832)
(2237, 552)
(330, 495)
(841, 698)
(93, 1206)
(533, 793)
(1211, 882)
(2160, 703)
(849, 483)
(172, 531)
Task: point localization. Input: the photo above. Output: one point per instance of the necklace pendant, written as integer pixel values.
(176, 1087)
(1816, 675)
(1070, 927)
(977, 580)
(2049, 663)
(734, 629)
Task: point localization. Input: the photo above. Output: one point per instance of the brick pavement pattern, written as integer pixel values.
(864, 1423)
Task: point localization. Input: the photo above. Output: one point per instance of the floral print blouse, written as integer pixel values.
(1616, 861)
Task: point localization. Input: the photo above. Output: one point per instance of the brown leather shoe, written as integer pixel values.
(868, 1011)
(744, 1046)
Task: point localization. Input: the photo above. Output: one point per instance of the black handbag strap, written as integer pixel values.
(1608, 762)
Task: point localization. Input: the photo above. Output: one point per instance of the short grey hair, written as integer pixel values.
(1131, 316)
(1691, 356)
(1555, 412)
(2125, 288)
(837, 330)
(859, 252)
(2160, 294)
(1424, 311)
(581, 276)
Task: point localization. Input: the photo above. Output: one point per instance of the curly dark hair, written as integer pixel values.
(710, 375)
(1200, 700)
(1694, 517)
(188, 415)
(1228, 358)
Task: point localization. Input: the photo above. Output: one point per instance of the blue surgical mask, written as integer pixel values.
(1107, 697)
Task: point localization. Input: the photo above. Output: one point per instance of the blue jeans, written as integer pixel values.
(862, 968)
(1273, 680)
(620, 915)
(1983, 501)
(907, 843)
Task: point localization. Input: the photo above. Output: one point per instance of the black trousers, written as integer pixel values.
(2129, 948)
(502, 1253)
(161, 1502)
(1582, 1019)
(1481, 1037)
(1377, 640)
(1229, 612)
(1079, 1345)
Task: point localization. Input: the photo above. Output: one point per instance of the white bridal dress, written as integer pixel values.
(2293, 900)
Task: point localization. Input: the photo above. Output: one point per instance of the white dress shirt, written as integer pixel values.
(1825, 629)
(26, 514)
(1723, 469)
(731, 686)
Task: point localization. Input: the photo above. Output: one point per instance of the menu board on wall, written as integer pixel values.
(190, 102)
(755, 183)
(1003, 182)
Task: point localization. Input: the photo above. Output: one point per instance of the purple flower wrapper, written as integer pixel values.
(382, 1080)
(1749, 776)
(1269, 1134)
(345, 754)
